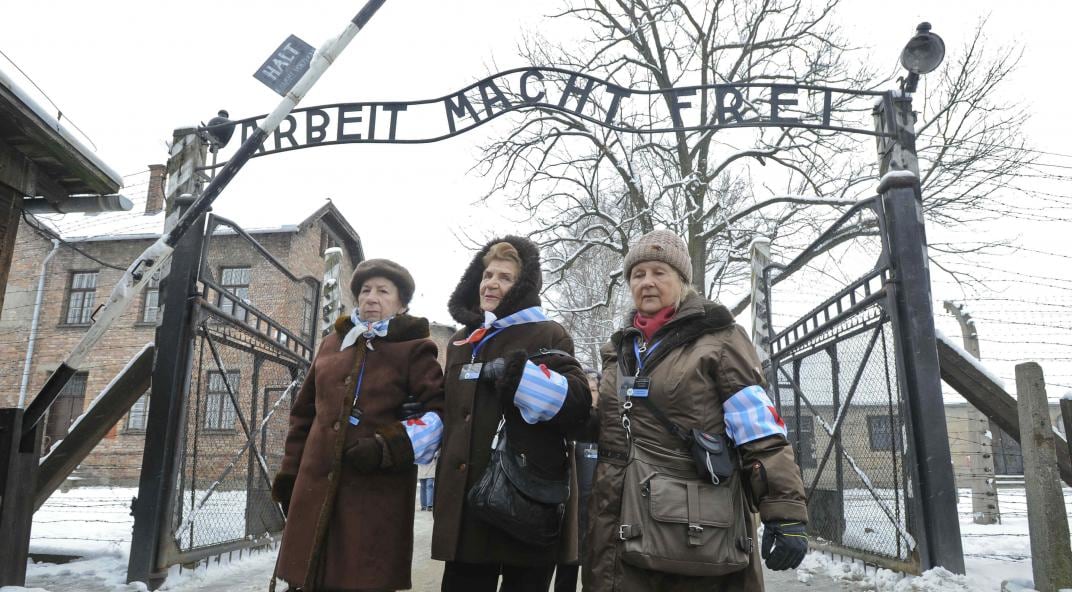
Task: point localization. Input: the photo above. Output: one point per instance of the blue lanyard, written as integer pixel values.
(360, 379)
(480, 344)
(640, 359)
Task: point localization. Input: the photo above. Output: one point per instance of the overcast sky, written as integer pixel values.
(127, 73)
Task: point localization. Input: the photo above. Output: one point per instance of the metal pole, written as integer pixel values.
(153, 258)
(838, 495)
(917, 354)
(166, 423)
(251, 503)
(40, 296)
(759, 253)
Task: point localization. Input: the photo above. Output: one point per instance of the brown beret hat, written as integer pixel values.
(384, 268)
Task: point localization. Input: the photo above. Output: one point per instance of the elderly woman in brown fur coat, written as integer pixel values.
(368, 410)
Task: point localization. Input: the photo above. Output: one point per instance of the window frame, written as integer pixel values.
(873, 432)
(153, 287)
(220, 412)
(128, 428)
(805, 444)
(71, 290)
(225, 300)
(308, 328)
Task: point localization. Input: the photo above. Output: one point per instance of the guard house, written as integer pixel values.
(43, 167)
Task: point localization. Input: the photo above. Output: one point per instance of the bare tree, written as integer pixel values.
(589, 190)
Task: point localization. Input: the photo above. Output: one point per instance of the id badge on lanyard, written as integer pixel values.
(634, 386)
(471, 371)
(637, 386)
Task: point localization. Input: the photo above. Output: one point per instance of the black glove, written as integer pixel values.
(493, 370)
(784, 544)
(282, 489)
(412, 408)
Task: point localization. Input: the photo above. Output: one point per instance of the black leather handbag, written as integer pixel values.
(508, 496)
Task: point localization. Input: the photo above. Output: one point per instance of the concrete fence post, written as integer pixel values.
(1051, 554)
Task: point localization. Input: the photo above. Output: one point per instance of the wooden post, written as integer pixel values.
(18, 474)
(1051, 554)
(981, 472)
(1066, 418)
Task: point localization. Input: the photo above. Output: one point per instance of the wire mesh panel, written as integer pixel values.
(253, 345)
(834, 375)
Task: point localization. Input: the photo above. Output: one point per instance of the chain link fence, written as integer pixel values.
(834, 372)
(255, 328)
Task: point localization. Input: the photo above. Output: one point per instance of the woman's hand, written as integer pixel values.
(282, 489)
(365, 455)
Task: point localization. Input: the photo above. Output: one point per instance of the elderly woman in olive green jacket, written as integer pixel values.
(692, 362)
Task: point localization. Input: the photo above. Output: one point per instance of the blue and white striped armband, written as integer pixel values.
(540, 394)
(750, 415)
(425, 433)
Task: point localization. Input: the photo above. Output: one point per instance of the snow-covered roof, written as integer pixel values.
(135, 224)
(51, 146)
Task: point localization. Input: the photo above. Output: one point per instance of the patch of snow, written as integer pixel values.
(1067, 395)
(970, 358)
(860, 577)
(897, 174)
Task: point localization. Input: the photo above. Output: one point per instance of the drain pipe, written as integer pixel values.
(33, 324)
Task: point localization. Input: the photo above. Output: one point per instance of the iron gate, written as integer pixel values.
(255, 326)
(837, 377)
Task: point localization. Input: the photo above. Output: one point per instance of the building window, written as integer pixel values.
(327, 241)
(804, 445)
(308, 311)
(139, 414)
(234, 280)
(151, 305)
(220, 413)
(882, 434)
(67, 407)
(81, 298)
(1008, 457)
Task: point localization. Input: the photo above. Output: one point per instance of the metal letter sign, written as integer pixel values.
(596, 101)
(283, 69)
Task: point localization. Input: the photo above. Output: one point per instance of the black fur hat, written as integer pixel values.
(464, 304)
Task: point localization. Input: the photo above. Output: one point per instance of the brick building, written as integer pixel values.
(79, 271)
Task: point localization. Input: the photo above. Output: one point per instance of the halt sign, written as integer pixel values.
(285, 67)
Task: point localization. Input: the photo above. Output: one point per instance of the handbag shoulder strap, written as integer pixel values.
(681, 433)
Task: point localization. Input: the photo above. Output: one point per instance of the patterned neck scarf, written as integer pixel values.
(367, 329)
(532, 314)
(649, 325)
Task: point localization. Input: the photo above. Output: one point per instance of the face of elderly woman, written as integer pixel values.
(378, 299)
(499, 276)
(654, 285)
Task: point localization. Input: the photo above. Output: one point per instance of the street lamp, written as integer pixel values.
(922, 55)
(219, 130)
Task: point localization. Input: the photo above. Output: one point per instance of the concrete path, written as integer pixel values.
(251, 574)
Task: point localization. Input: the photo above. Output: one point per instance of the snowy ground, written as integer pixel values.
(96, 523)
